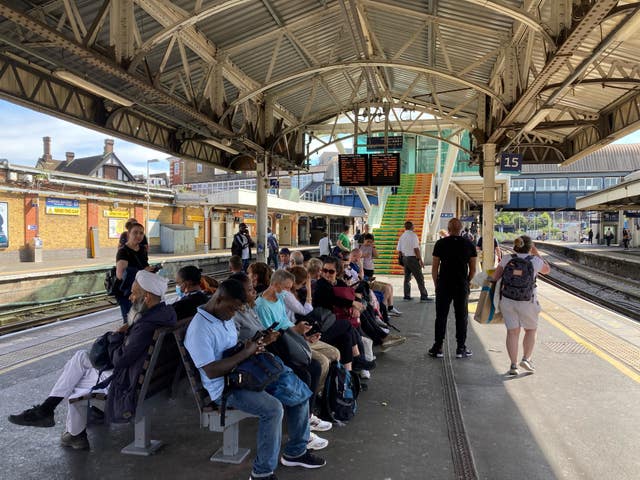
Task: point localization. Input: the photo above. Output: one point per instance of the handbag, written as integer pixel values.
(255, 374)
(99, 353)
(486, 310)
(321, 319)
(400, 259)
(295, 348)
(111, 282)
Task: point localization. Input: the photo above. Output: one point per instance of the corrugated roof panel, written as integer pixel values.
(612, 158)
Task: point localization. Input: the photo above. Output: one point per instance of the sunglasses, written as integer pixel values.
(328, 270)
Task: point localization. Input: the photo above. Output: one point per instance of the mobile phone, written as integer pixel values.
(272, 327)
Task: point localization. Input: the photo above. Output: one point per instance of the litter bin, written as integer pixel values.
(36, 245)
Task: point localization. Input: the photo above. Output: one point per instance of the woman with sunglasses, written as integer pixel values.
(341, 334)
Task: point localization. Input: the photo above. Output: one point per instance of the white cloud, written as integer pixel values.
(21, 132)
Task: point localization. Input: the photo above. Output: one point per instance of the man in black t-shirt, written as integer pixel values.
(453, 267)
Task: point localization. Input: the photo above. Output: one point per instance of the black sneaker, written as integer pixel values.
(463, 352)
(426, 300)
(435, 352)
(308, 460)
(362, 364)
(77, 442)
(268, 477)
(408, 299)
(34, 417)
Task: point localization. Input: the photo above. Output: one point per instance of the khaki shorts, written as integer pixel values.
(520, 314)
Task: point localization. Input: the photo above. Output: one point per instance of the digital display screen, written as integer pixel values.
(384, 169)
(353, 170)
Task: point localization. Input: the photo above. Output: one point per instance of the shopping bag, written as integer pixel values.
(486, 310)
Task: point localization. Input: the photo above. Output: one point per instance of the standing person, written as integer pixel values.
(369, 252)
(518, 301)
(208, 336)
(325, 244)
(130, 259)
(125, 235)
(453, 267)
(344, 244)
(626, 238)
(272, 245)
(242, 244)
(497, 253)
(411, 259)
(608, 236)
(590, 235)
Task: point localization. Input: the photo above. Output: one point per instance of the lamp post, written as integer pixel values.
(153, 160)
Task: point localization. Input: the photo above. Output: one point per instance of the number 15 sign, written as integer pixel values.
(511, 162)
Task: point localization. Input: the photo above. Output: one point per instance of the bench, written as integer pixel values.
(230, 452)
(160, 372)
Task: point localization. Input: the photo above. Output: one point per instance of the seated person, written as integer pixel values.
(248, 323)
(260, 275)
(190, 294)
(235, 264)
(207, 338)
(128, 351)
(356, 263)
(297, 259)
(208, 284)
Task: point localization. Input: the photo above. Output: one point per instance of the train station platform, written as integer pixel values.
(575, 418)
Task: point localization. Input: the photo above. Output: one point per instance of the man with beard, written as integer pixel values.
(127, 350)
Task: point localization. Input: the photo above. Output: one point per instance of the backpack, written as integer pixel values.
(518, 279)
(272, 243)
(340, 393)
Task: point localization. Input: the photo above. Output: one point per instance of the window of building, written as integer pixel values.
(611, 181)
(585, 184)
(198, 167)
(176, 168)
(551, 184)
(523, 185)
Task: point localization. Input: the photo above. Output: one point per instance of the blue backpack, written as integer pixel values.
(341, 391)
(518, 279)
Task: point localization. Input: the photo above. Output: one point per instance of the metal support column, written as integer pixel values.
(262, 188)
(207, 209)
(488, 203)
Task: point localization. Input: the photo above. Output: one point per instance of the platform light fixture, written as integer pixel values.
(77, 81)
(224, 144)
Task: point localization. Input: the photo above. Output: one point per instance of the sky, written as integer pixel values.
(22, 129)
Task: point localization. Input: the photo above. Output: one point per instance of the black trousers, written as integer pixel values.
(460, 297)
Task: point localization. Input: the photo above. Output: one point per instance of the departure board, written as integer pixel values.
(384, 169)
(353, 170)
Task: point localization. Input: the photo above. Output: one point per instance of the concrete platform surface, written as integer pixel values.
(575, 418)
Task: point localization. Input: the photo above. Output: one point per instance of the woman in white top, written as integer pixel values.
(521, 313)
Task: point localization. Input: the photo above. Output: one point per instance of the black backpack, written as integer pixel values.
(111, 282)
(518, 279)
(340, 395)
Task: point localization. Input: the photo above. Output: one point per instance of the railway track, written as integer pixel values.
(15, 320)
(608, 291)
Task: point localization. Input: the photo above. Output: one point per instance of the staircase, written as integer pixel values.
(408, 204)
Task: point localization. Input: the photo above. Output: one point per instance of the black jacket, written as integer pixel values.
(239, 243)
(128, 353)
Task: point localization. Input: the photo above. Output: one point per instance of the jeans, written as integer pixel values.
(412, 267)
(125, 306)
(245, 264)
(459, 295)
(270, 411)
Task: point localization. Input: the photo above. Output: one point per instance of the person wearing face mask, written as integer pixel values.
(127, 349)
(189, 292)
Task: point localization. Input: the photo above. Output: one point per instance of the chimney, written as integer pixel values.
(46, 153)
(70, 156)
(108, 146)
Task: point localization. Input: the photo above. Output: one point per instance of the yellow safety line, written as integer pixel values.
(604, 356)
(40, 357)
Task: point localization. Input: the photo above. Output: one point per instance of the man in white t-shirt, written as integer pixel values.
(409, 255)
(325, 244)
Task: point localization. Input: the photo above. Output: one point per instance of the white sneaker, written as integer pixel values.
(316, 442)
(366, 374)
(394, 311)
(319, 425)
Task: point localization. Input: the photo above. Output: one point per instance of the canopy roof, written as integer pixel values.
(224, 80)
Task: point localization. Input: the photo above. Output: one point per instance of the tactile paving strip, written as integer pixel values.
(566, 347)
(52, 346)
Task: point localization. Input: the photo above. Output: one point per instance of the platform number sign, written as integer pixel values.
(511, 162)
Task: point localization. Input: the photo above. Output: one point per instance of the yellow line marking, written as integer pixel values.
(46, 355)
(604, 356)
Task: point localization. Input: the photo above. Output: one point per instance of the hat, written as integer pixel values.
(152, 283)
(285, 251)
(242, 225)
